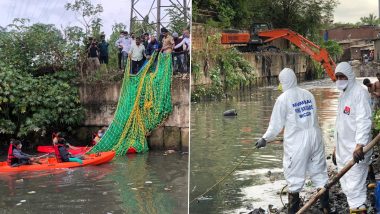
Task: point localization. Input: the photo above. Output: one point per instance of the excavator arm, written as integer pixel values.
(317, 53)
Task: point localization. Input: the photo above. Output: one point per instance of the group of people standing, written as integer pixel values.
(295, 111)
(97, 52)
(139, 49)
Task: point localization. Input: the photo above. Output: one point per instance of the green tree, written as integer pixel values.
(30, 104)
(371, 19)
(37, 49)
(305, 17)
(334, 49)
(176, 17)
(140, 27)
(38, 92)
(87, 15)
(113, 50)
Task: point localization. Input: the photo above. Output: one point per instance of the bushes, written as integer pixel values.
(229, 69)
(37, 104)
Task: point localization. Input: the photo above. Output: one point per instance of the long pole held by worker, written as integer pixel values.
(336, 178)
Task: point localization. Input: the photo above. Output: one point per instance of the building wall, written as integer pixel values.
(364, 32)
(355, 53)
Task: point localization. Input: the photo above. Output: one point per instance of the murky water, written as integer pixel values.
(218, 143)
(146, 183)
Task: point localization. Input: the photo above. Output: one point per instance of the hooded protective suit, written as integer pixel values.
(353, 126)
(296, 110)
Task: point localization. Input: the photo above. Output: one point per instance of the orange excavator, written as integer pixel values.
(262, 33)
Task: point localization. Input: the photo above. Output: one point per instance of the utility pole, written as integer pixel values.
(130, 21)
(185, 11)
(159, 17)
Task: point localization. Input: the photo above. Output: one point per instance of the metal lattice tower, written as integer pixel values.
(156, 6)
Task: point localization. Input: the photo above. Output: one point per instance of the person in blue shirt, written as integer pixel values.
(16, 157)
(152, 46)
(103, 50)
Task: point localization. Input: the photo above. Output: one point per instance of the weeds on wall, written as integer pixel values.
(225, 66)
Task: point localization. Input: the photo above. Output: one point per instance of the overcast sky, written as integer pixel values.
(53, 12)
(352, 10)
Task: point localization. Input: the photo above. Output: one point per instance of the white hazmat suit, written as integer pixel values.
(296, 110)
(353, 126)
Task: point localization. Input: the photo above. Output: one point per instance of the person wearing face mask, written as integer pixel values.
(98, 136)
(352, 133)
(137, 54)
(133, 39)
(295, 111)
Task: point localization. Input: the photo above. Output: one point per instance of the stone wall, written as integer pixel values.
(100, 101)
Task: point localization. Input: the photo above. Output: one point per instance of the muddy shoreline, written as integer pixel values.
(338, 201)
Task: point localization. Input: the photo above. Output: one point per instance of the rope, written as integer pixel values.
(282, 190)
(224, 177)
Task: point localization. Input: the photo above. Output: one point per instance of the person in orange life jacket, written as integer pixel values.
(57, 136)
(62, 154)
(16, 157)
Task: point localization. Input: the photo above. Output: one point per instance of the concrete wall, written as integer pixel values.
(100, 101)
(267, 66)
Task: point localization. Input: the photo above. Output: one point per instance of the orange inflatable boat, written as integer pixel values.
(51, 163)
(50, 149)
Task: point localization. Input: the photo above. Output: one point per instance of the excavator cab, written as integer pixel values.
(256, 28)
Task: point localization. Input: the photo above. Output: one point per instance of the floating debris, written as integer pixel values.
(231, 112)
(148, 182)
(204, 198)
(31, 192)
